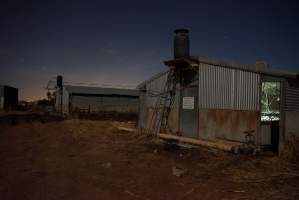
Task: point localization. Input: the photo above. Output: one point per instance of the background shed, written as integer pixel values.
(96, 99)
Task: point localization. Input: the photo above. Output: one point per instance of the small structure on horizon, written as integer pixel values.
(8, 97)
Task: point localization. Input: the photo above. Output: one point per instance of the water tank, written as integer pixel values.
(181, 44)
(59, 81)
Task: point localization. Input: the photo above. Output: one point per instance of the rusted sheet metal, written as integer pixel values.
(224, 88)
(227, 124)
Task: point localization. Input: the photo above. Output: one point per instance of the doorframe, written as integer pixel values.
(281, 135)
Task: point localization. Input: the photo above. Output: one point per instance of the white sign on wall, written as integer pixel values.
(188, 103)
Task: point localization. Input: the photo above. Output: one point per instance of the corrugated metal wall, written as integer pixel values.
(153, 88)
(149, 99)
(292, 98)
(96, 104)
(116, 102)
(225, 88)
(156, 86)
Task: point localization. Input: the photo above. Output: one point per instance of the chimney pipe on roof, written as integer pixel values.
(181, 43)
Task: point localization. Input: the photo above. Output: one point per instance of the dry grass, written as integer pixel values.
(84, 159)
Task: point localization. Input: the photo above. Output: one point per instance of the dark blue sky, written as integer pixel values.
(125, 42)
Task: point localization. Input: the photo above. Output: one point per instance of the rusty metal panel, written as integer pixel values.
(226, 124)
(225, 88)
(292, 98)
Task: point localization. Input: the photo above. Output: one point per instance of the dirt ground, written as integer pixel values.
(82, 159)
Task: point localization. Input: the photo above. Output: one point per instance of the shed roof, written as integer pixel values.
(100, 90)
(256, 68)
(249, 67)
(195, 60)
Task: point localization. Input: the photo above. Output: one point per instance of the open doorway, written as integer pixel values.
(270, 114)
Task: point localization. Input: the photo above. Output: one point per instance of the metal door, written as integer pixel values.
(189, 112)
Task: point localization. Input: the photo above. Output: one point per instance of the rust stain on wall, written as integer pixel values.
(227, 124)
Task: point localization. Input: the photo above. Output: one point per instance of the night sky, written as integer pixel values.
(125, 42)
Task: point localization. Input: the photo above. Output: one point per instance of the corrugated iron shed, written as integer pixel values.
(229, 99)
(96, 99)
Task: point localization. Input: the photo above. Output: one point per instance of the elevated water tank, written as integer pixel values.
(181, 43)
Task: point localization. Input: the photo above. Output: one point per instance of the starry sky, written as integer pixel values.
(125, 42)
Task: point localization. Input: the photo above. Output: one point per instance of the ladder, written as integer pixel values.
(163, 105)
